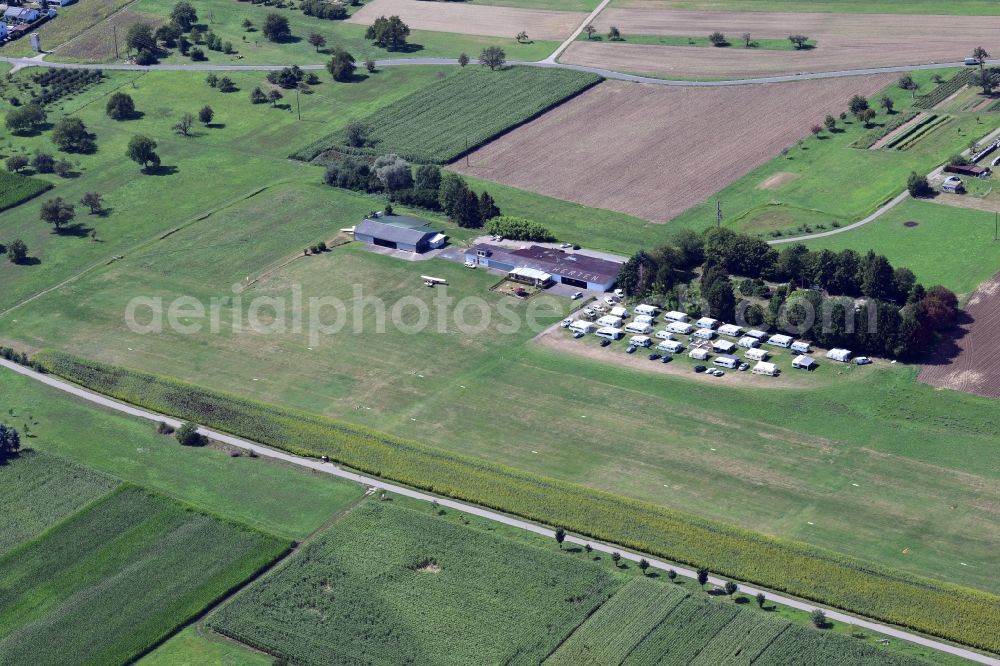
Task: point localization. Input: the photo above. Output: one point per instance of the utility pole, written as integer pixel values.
(298, 108)
(718, 213)
(114, 28)
(466, 151)
(996, 227)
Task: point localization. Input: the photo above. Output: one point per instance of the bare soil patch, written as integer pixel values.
(971, 360)
(846, 41)
(777, 180)
(655, 151)
(470, 19)
(98, 43)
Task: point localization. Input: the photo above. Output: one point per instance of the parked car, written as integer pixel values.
(654, 357)
(719, 373)
(578, 335)
(566, 245)
(605, 342)
(666, 358)
(577, 295)
(630, 349)
(576, 247)
(470, 264)
(862, 360)
(700, 368)
(744, 367)
(590, 312)
(565, 323)
(619, 293)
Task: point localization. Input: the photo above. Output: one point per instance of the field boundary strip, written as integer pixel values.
(938, 608)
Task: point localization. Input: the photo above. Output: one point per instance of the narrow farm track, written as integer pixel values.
(21, 63)
(334, 470)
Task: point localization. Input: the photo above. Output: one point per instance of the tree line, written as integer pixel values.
(859, 301)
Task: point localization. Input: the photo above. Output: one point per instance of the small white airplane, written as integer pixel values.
(431, 281)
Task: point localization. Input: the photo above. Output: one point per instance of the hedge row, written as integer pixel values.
(962, 614)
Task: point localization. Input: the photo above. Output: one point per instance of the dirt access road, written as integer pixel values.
(844, 41)
(655, 151)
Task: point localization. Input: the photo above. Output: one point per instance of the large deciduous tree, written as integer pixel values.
(57, 212)
(142, 150)
(388, 32)
(71, 135)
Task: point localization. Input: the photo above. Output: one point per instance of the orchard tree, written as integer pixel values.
(799, 41)
(493, 57)
(57, 212)
(206, 114)
(140, 38)
(184, 15)
(257, 96)
(818, 618)
(17, 252)
(273, 96)
(71, 135)
(226, 85)
(987, 80)
(142, 150)
(718, 39)
(184, 125)
(522, 36)
(616, 557)
(10, 442)
(43, 162)
(560, 536)
(906, 82)
(614, 34)
(887, 103)
(643, 565)
(94, 201)
(120, 106)
(316, 40)
(356, 134)
(830, 122)
(590, 30)
(25, 119)
(188, 435)
(17, 162)
(388, 32)
(168, 34)
(747, 40)
(857, 105)
(730, 588)
(702, 576)
(341, 65)
(761, 599)
(463, 59)
(276, 28)
(867, 116)
(980, 55)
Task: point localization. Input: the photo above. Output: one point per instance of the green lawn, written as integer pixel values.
(119, 576)
(243, 153)
(735, 42)
(196, 646)
(225, 17)
(41, 490)
(269, 496)
(960, 7)
(390, 585)
(947, 245)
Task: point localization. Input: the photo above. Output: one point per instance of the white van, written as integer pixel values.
(680, 328)
(634, 327)
(610, 332)
(726, 361)
(640, 340)
(671, 346)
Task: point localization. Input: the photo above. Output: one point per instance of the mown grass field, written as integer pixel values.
(438, 123)
(390, 585)
(947, 245)
(41, 490)
(16, 188)
(196, 646)
(119, 576)
(225, 17)
(245, 151)
(921, 603)
(281, 500)
(650, 622)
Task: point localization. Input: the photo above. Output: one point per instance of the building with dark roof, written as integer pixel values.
(574, 269)
(399, 232)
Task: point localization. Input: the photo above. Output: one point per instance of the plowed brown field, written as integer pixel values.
(655, 151)
(974, 363)
(845, 41)
(483, 20)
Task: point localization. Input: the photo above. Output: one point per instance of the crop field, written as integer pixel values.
(940, 244)
(916, 602)
(845, 41)
(16, 188)
(195, 646)
(647, 622)
(390, 585)
(473, 19)
(971, 362)
(958, 8)
(72, 21)
(445, 119)
(279, 500)
(119, 576)
(246, 151)
(97, 43)
(40, 490)
(683, 144)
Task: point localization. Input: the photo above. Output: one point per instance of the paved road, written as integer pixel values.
(20, 63)
(900, 198)
(334, 470)
(576, 33)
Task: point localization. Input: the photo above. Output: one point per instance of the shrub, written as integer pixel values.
(518, 228)
(188, 435)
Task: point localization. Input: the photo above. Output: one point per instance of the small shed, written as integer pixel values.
(803, 362)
